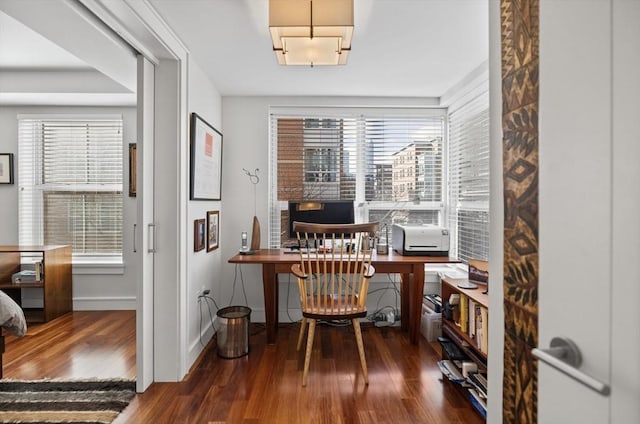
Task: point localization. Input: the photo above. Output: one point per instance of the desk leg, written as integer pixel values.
(405, 317)
(270, 287)
(416, 290)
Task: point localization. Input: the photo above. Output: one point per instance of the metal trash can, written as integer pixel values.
(233, 331)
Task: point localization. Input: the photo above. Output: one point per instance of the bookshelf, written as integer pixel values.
(54, 286)
(466, 328)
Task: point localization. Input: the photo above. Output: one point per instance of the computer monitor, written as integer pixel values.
(320, 212)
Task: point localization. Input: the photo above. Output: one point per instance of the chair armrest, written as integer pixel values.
(295, 270)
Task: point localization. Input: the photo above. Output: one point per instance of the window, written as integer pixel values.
(469, 178)
(389, 162)
(70, 177)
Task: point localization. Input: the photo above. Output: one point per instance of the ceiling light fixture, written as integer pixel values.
(311, 32)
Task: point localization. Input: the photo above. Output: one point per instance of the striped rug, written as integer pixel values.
(71, 401)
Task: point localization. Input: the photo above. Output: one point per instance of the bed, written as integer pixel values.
(11, 319)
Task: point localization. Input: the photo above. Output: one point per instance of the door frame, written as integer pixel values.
(139, 25)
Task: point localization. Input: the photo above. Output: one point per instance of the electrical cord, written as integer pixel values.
(288, 296)
(206, 298)
(336, 323)
(391, 285)
(235, 279)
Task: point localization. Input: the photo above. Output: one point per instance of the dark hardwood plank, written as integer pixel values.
(405, 384)
(79, 344)
(265, 386)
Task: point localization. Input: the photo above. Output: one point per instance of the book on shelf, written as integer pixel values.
(464, 313)
(472, 319)
(479, 333)
(478, 403)
(37, 267)
(479, 382)
(484, 337)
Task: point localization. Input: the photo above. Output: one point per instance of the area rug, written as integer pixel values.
(71, 401)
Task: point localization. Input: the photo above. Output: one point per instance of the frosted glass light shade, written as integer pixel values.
(311, 32)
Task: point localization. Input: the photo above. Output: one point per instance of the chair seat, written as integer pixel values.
(333, 307)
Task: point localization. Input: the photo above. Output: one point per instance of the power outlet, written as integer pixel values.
(202, 293)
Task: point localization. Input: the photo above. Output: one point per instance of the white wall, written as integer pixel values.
(90, 291)
(246, 145)
(202, 266)
(496, 212)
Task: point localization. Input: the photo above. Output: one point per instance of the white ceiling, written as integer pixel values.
(23, 48)
(400, 48)
(34, 70)
(404, 48)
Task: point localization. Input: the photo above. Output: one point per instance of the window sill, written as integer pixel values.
(98, 267)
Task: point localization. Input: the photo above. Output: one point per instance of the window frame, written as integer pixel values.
(32, 169)
(362, 206)
(473, 107)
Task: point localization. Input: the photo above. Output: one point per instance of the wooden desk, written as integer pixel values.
(410, 268)
(56, 285)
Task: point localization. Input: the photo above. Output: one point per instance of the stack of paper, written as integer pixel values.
(450, 371)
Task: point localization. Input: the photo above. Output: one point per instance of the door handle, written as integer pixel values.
(564, 355)
(151, 238)
(134, 238)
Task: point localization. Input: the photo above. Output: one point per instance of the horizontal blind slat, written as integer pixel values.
(71, 179)
(469, 178)
(397, 160)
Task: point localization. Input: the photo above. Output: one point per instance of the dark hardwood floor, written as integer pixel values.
(405, 384)
(100, 344)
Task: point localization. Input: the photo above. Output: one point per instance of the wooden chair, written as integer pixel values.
(333, 278)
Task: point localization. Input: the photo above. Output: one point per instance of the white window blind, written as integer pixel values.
(469, 178)
(70, 177)
(390, 164)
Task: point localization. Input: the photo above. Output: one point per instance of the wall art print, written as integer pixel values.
(520, 87)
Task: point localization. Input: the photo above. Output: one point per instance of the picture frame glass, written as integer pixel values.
(6, 168)
(199, 235)
(213, 230)
(206, 160)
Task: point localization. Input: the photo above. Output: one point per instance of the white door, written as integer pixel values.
(589, 198)
(144, 228)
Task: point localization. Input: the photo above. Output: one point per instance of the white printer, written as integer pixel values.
(420, 239)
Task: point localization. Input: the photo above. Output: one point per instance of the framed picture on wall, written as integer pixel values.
(213, 225)
(6, 168)
(199, 234)
(206, 160)
(132, 169)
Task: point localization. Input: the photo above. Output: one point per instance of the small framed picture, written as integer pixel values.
(6, 168)
(199, 234)
(212, 230)
(132, 169)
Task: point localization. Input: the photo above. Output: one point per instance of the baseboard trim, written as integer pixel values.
(195, 349)
(104, 303)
